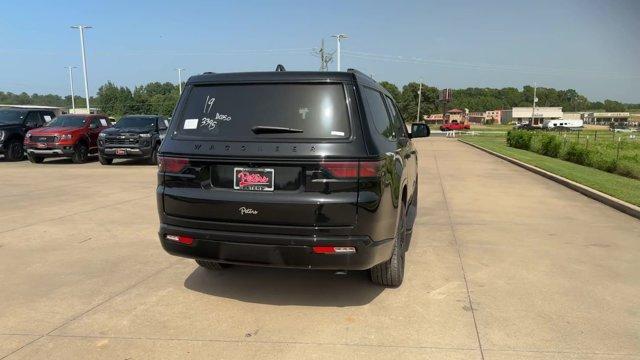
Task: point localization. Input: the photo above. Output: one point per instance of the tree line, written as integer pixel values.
(483, 99)
(152, 98)
(160, 98)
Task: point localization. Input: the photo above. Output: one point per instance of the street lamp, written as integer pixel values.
(338, 38)
(73, 101)
(179, 79)
(419, 99)
(84, 62)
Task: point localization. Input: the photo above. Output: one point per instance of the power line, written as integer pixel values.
(485, 66)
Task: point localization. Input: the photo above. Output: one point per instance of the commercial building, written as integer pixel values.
(605, 118)
(433, 119)
(485, 117)
(455, 115)
(521, 115)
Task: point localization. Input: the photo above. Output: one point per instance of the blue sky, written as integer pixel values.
(591, 46)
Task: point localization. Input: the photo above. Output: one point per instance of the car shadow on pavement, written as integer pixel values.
(286, 286)
(131, 162)
(67, 161)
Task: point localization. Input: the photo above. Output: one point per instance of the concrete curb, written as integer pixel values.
(610, 201)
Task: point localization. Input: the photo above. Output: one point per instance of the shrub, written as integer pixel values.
(519, 139)
(575, 153)
(628, 169)
(604, 162)
(549, 145)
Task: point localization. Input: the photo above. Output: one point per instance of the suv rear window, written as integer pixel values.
(230, 112)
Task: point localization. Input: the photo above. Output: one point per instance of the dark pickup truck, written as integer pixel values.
(312, 170)
(134, 136)
(14, 125)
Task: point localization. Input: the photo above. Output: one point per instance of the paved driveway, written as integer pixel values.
(503, 265)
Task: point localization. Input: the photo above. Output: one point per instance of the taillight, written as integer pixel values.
(171, 165)
(352, 169)
(334, 249)
(187, 240)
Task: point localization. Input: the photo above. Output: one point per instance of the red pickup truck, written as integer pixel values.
(71, 136)
(454, 125)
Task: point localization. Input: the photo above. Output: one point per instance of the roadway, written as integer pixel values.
(504, 264)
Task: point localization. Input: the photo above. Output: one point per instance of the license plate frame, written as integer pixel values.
(253, 179)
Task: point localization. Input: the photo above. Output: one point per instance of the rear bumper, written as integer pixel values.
(290, 251)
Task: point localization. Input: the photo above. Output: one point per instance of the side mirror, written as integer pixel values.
(419, 130)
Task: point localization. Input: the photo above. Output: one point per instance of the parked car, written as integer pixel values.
(14, 125)
(134, 136)
(621, 127)
(454, 125)
(312, 170)
(71, 136)
(526, 126)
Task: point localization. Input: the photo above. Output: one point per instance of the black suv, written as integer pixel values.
(133, 136)
(14, 124)
(311, 170)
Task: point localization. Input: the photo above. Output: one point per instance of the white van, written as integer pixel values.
(563, 124)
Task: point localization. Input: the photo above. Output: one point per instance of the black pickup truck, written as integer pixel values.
(133, 136)
(14, 125)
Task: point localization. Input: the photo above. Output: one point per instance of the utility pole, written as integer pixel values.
(84, 62)
(419, 99)
(179, 80)
(533, 109)
(338, 38)
(325, 57)
(73, 101)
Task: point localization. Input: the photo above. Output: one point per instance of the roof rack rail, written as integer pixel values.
(280, 67)
(356, 71)
(208, 73)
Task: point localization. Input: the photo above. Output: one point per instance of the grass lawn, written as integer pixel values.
(620, 187)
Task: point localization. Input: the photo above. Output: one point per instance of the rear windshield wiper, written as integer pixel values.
(273, 130)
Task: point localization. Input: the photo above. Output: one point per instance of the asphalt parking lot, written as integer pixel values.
(504, 264)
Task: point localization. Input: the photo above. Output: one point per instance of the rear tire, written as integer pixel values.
(391, 272)
(212, 265)
(35, 159)
(105, 161)
(14, 151)
(153, 159)
(80, 154)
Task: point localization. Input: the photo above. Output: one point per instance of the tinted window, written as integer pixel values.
(378, 113)
(398, 123)
(67, 121)
(12, 117)
(33, 119)
(234, 112)
(137, 122)
(96, 123)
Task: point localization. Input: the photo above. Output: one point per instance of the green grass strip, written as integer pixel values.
(620, 187)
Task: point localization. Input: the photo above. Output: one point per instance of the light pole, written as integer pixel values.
(533, 109)
(73, 101)
(419, 99)
(84, 62)
(338, 38)
(179, 80)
